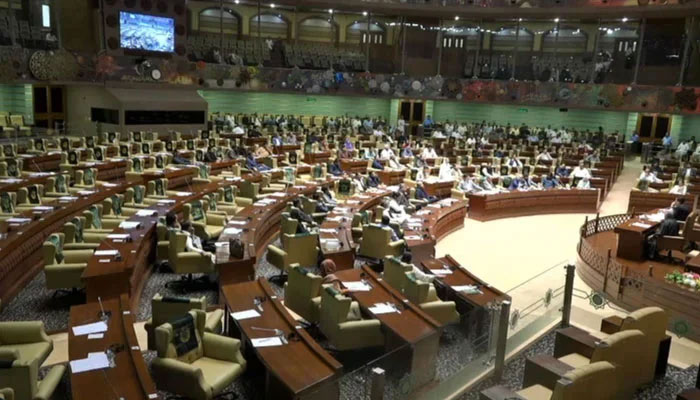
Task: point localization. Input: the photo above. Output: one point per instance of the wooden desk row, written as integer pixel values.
(640, 202)
(486, 207)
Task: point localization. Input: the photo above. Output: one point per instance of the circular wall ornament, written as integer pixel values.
(156, 74)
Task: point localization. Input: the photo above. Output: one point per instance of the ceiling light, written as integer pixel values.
(364, 13)
(272, 5)
(624, 19)
(556, 19)
(237, 1)
(330, 11)
(456, 17)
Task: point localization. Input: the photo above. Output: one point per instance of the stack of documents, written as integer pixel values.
(247, 314)
(118, 236)
(232, 231)
(146, 213)
(87, 329)
(468, 289)
(357, 286)
(383, 308)
(100, 253)
(641, 225)
(267, 342)
(441, 272)
(129, 225)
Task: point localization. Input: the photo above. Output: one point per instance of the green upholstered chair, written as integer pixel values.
(309, 207)
(7, 394)
(186, 263)
(164, 309)
(229, 202)
(63, 268)
(29, 197)
(267, 186)
(341, 322)
(629, 351)
(11, 168)
(163, 238)
(96, 223)
(395, 272)
(134, 169)
(134, 199)
(206, 225)
(24, 346)
(57, 186)
(423, 294)
(156, 190)
(593, 381)
(376, 243)
(85, 179)
(75, 237)
(302, 293)
(299, 249)
(360, 219)
(288, 226)
(8, 204)
(250, 190)
(199, 368)
(113, 208)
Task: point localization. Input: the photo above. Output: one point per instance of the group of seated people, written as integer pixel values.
(650, 179)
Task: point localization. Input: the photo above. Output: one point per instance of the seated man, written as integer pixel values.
(396, 212)
(679, 187)
(407, 258)
(335, 169)
(562, 171)
(421, 194)
(668, 227)
(194, 243)
(252, 164)
(681, 209)
(402, 196)
(376, 164)
(550, 182)
(373, 179)
(467, 185)
(386, 223)
(305, 221)
(327, 197)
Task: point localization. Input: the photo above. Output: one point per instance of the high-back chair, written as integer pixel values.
(63, 268)
(156, 190)
(299, 249)
(85, 179)
(201, 367)
(134, 196)
(11, 168)
(75, 237)
(395, 272)
(206, 225)
(8, 203)
(229, 202)
(309, 205)
(186, 263)
(167, 308)
(359, 220)
(24, 347)
(628, 351)
(95, 222)
(340, 320)
(7, 394)
(376, 243)
(29, 197)
(302, 293)
(57, 186)
(424, 295)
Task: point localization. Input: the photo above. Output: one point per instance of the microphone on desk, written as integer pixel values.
(103, 315)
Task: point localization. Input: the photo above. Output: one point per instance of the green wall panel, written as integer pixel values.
(532, 116)
(274, 103)
(17, 99)
(689, 128)
(631, 124)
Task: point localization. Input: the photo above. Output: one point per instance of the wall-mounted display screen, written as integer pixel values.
(146, 32)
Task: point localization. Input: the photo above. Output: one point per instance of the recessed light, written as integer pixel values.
(624, 19)
(364, 13)
(330, 11)
(456, 17)
(272, 5)
(556, 19)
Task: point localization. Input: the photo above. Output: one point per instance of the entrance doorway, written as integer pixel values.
(652, 127)
(413, 112)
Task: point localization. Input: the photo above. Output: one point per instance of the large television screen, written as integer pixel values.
(146, 32)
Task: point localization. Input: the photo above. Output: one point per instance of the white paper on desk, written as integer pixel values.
(95, 327)
(238, 222)
(86, 192)
(414, 220)
(641, 225)
(412, 237)
(232, 231)
(146, 213)
(92, 362)
(109, 184)
(166, 201)
(67, 198)
(468, 289)
(106, 252)
(267, 342)
(441, 272)
(234, 178)
(434, 206)
(241, 315)
(96, 336)
(18, 220)
(183, 194)
(278, 194)
(43, 208)
(357, 286)
(352, 201)
(129, 225)
(118, 236)
(327, 230)
(10, 180)
(422, 212)
(335, 219)
(382, 308)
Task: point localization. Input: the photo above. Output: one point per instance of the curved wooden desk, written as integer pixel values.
(427, 226)
(534, 202)
(301, 369)
(645, 201)
(129, 378)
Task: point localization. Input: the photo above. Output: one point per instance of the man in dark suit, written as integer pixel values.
(668, 227)
(681, 209)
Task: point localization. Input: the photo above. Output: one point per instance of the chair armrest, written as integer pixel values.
(443, 311)
(23, 332)
(360, 327)
(177, 371)
(276, 256)
(48, 385)
(216, 219)
(9, 354)
(243, 201)
(201, 180)
(222, 348)
(574, 340)
(396, 244)
(77, 256)
(213, 322)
